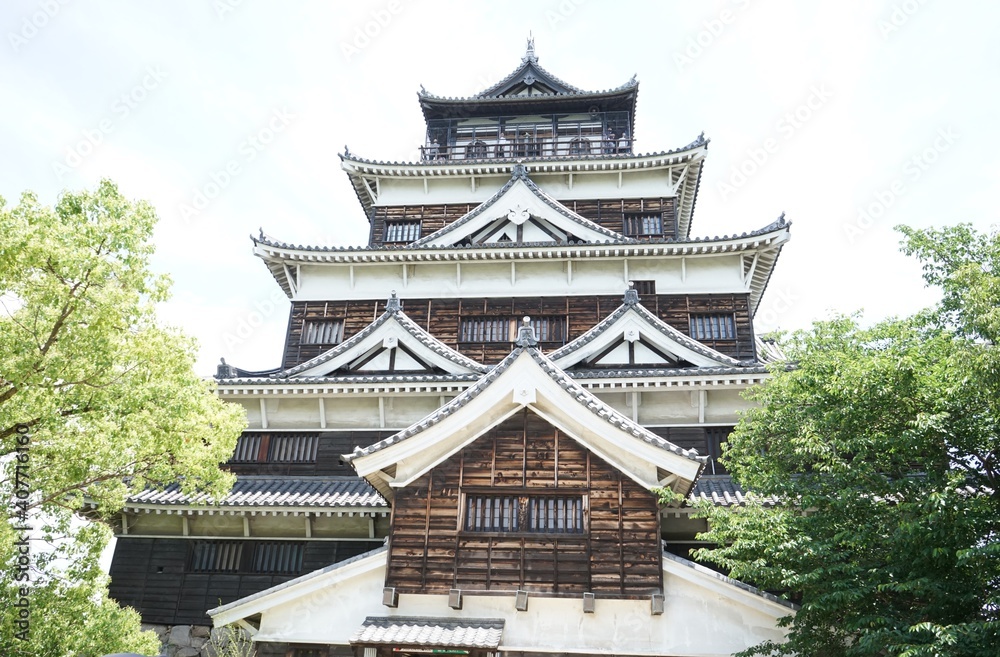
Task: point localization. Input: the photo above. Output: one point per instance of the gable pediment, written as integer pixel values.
(527, 378)
(392, 344)
(520, 213)
(632, 337)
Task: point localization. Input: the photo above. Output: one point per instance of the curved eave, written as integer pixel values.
(691, 155)
(281, 258)
(596, 380)
(440, 107)
(258, 510)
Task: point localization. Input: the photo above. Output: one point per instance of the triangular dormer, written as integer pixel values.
(527, 380)
(633, 337)
(520, 213)
(529, 79)
(392, 344)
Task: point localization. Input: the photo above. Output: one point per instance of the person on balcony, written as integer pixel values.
(624, 143)
(433, 150)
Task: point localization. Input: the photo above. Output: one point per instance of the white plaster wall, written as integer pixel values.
(667, 408)
(292, 413)
(586, 185)
(724, 406)
(351, 411)
(699, 620)
(702, 275)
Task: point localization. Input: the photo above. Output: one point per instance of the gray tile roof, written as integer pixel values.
(520, 172)
(267, 240)
(584, 397)
(393, 312)
(721, 490)
(274, 491)
(443, 632)
(698, 142)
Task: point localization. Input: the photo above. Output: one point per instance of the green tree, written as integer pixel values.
(874, 465)
(97, 400)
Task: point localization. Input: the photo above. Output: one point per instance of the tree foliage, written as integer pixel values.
(873, 461)
(97, 399)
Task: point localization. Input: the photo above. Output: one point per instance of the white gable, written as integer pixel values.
(391, 344)
(520, 212)
(526, 379)
(634, 337)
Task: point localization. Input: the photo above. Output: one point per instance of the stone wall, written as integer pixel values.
(189, 640)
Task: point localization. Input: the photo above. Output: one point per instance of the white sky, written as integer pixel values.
(897, 104)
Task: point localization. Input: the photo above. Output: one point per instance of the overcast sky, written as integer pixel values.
(822, 112)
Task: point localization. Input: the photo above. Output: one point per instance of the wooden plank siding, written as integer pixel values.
(608, 213)
(441, 318)
(151, 574)
(616, 554)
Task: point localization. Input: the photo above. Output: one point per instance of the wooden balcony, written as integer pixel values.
(512, 137)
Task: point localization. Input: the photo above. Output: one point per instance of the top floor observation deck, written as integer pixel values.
(531, 136)
(529, 114)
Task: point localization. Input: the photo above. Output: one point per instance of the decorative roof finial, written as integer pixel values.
(526, 334)
(224, 370)
(393, 305)
(631, 294)
(519, 170)
(529, 53)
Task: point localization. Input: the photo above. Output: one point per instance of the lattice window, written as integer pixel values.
(402, 231)
(492, 513)
(293, 448)
(713, 326)
(645, 288)
(504, 329)
(643, 225)
(277, 558)
(271, 557)
(484, 329)
(549, 514)
(322, 331)
(247, 448)
(215, 556)
(555, 514)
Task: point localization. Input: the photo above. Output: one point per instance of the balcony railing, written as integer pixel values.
(600, 133)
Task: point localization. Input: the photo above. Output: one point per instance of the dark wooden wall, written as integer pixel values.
(609, 213)
(618, 553)
(151, 575)
(332, 446)
(441, 318)
(707, 441)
